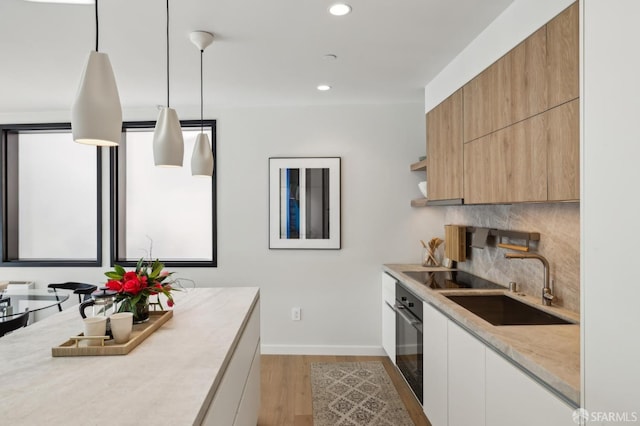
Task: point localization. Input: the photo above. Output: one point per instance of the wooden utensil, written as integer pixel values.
(429, 258)
(513, 247)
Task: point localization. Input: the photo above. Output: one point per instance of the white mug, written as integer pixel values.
(121, 326)
(95, 326)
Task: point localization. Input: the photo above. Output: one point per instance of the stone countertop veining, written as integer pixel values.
(551, 353)
(168, 379)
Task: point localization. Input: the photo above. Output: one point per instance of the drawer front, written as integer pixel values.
(388, 288)
(250, 404)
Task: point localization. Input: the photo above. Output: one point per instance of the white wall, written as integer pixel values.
(610, 174)
(338, 291)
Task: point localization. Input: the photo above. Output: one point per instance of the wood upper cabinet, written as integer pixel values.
(486, 101)
(509, 165)
(444, 149)
(563, 146)
(510, 90)
(528, 79)
(520, 125)
(534, 160)
(563, 57)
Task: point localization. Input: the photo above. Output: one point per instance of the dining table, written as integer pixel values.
(16, 301)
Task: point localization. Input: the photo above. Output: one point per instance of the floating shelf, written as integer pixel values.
(419, 166)
(424, 202)
(449, 202)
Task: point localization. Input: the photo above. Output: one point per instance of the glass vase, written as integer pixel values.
(140, 310)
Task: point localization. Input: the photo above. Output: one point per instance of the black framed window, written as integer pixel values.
(161, 212)
(51, 210)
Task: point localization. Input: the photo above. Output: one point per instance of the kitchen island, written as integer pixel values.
(200, 367)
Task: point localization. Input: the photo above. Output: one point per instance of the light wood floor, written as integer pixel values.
(286, 389)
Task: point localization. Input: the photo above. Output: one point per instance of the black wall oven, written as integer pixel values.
(409, 353)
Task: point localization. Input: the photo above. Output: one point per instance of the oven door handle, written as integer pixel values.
(401, 310)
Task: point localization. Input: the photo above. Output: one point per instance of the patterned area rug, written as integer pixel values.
(355, 394)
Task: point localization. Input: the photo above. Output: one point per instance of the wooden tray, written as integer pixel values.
(139, 333)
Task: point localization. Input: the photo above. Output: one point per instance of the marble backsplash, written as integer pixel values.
(559, 228)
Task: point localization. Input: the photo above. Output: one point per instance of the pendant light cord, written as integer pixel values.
(201, 95)
(168, 54)
(97, 25)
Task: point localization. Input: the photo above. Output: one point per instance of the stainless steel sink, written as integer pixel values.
(500, 309)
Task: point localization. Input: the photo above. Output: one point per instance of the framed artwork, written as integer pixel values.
(304, 203)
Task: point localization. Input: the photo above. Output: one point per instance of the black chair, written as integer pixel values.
(81, 289)
(16, 322)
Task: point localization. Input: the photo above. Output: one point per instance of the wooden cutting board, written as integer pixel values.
(455, 240)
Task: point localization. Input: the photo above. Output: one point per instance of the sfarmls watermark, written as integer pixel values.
(584, 416)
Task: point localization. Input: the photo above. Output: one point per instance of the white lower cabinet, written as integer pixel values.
(466, 366)
(434, 326)
(467, 383)
(389, 316)
(513, 398)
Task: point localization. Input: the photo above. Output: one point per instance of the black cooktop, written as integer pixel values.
(451, 280)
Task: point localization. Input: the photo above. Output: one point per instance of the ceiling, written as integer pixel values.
(265, 52)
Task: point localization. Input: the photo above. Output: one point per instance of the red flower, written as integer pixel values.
(145, 281)
(114, 285)
(132, 286)
(129, 276)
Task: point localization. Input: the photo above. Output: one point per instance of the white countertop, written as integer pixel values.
(551, 353)
(166, 380)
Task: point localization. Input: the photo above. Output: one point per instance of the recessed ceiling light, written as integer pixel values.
(340, 9)
(324, 87)
(63, 1)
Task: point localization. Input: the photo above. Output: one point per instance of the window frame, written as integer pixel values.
(7, 246)
(116, 214)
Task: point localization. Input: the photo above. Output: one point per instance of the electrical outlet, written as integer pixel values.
(295, 314)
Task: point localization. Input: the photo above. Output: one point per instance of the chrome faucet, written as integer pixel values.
(547, 295)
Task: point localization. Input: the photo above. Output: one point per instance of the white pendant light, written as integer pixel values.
(96, 114)
(168, 143)
(202, 157)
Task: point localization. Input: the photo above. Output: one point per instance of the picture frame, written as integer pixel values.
(304, 203)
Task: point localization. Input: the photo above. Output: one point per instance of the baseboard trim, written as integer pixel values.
(322, 350)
